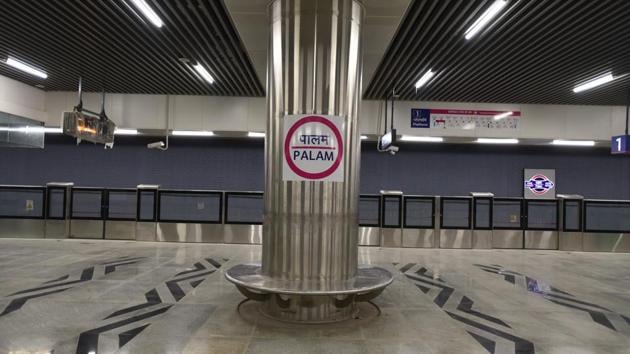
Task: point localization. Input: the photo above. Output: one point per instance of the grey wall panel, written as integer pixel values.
(57, 228)
(606, 242)
(369, 236)
(455, 238)
(570, 241)
(22, 228)
(120, 230)
(86, 228)
(391, 237)
(542, 240)
(238, 165)
(146, 231)
(507, 239)
(419, 238)
(240, 233)
(179, 232)
(482, 239)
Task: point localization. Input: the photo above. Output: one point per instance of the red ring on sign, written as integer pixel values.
(287, 148)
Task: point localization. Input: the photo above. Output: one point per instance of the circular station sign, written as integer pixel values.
(313, 148)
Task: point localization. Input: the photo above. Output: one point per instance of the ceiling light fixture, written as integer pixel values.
(598, 81)
(425, 139)
(563, 142)
(503, 115)
(364, 137)
(423, 80)
(255, 135)
(497, 141)
(29, 130)
(148, 12)
(486, 17)
(204, 73)
(192, 133)
(53, 130)
(126, 131)
(25, 67)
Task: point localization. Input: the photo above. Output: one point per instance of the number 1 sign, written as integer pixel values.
(620, 144)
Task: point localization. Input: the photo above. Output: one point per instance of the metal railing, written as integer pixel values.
(589, 221)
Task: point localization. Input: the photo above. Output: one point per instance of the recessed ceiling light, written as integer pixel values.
(193, 133)
(486, 17)
(26, 68)
(497, 141)
(598, 81)
(423, 80)
(255, 135)
(573, 142)
(503, 115)
(148, 12)
(425, 139)
(204, 73)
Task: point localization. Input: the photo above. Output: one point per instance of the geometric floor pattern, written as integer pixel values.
(84, 296)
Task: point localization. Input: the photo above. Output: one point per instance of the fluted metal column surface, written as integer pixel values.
(314, 67)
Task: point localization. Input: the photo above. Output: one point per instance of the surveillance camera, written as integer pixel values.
(156, 145)
(392, 150)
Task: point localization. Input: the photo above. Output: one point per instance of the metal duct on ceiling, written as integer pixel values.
(112, 46)
(533, 52)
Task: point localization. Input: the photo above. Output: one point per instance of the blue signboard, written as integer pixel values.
(420, 118)
(620, 144)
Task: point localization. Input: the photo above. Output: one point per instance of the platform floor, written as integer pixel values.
(76, 296)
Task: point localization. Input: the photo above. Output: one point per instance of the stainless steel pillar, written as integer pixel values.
(309, 267)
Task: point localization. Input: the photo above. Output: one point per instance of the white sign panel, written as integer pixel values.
(464, 119)
(313, 148)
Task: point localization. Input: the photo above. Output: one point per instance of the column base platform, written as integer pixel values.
(310, 301)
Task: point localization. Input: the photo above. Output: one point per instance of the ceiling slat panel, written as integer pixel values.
(533, 52)
(113, 47)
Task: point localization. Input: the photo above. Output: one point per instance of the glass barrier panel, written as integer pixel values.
(25, 203)
(455, 213)
(56, 203)
(604, 216)
(244, 208)
(16, 131)
(391, 211)
(483, 214)
(122, 205)
(419, 212)
(146, 205)
(87, 204)
(542, 215)
(368, 210)
(572, 217)
(197, 207)
(506, 214)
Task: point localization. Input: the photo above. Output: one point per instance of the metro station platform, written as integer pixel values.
(83, 296)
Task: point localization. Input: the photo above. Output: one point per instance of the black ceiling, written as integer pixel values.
(533, 52)
(112, 46)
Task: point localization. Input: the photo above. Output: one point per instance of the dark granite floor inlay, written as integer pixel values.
(480, 326)
(62, 283)
(599, 314)
(156, 302)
